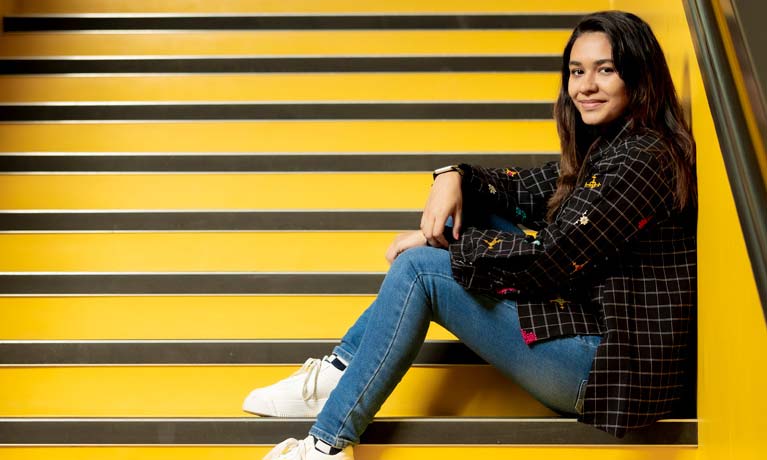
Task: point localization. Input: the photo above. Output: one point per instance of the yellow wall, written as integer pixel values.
(732, 361)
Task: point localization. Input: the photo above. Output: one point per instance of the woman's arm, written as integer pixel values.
(630, 191)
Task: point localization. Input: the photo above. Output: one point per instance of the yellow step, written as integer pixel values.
(196, 252)
(302, 6)
(215, 191)
(534, 86)
(183, 318)
(218, 391)
(285, 43)
(283, 136)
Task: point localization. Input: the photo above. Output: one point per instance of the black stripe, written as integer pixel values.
(203, 353)
(189, 283)
(278, 162)
(270, 431)
(209, 221)
(322, 111)
(284, 64)
(499, 21)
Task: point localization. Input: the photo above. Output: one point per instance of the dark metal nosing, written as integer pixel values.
(278, 162)
(739, 149)
(270, 431)
(190, 284)
(20, 221)
(320, 111)
(17, 66)
(272, 22)
(226, 352)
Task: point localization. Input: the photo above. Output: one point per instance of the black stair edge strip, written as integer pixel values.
(19, 23)
(256, 283)
(133, 64)
(278, 111)
(223, 221)
(400, 431)
(276, 162)
(202, 352)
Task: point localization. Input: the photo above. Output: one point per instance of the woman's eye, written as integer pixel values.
(607, 70)
(576, 71)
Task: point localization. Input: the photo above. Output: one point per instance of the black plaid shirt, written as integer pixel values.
(618, 261)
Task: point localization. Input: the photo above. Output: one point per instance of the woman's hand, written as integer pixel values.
(445, 200)
(404, 241)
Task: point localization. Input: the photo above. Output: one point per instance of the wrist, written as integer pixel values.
(445, 170)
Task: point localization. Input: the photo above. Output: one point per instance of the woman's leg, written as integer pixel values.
(420, 288)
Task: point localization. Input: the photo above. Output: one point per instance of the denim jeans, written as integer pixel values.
(383, 343)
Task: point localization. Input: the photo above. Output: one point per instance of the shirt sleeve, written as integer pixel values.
(522, 193)
(602, 215)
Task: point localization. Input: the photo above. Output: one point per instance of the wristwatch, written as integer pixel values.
(445, 169)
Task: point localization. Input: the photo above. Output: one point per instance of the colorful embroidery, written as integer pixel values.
(561, 303)
(528, 337)
(592, 183)
(642, 223)
(508, 290)
(520, 213)
(583, 220)
(578, 267)
(509, 172)
(537, 243)
(492, 189)
(491, 244)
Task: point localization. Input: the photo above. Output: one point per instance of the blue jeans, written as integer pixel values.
(383, 343)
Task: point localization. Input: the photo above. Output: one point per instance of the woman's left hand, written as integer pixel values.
(403, 242)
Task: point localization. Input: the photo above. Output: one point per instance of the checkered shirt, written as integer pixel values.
(617, 260)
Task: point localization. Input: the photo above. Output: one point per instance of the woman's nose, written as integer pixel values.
(589, 84)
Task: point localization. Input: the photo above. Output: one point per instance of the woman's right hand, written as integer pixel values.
(445, 200)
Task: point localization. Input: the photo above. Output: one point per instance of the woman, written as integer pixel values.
(592, 315)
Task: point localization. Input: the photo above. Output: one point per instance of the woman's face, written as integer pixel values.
(594, 85)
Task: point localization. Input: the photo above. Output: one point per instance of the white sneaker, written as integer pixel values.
(303, 394)
(293, 449)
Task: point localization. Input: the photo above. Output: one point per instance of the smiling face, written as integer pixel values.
(594, 85)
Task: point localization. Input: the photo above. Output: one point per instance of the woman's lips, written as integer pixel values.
(591, 104)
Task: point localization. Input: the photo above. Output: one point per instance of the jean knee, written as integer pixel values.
(421, 259)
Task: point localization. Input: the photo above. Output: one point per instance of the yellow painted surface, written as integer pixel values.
(215, 191)
(285, 43)
(300, 6)
(470, 87)
(732, 365)
(180, 318)
(283, 136)
(218, 391)
(363, 452)
(267, 251)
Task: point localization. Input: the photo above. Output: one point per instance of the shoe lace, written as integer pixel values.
(312, 368)
(287, 450)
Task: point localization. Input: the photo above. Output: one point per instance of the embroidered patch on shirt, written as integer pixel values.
(592, 184)
(642, 223)
(509, 172)
(583, 220)
(492, 189)
(491, 244)
(520, 213)
(578, 267)
(508, 290)
(528, 337)
(561, 303)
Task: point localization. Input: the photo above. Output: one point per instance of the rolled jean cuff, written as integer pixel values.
(329, 439)
(343, 354)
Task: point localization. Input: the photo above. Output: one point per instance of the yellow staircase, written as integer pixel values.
(197, 195)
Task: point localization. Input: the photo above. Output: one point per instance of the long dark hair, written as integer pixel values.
(653, 105)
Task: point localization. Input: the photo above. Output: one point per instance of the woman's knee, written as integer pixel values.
(422, 259)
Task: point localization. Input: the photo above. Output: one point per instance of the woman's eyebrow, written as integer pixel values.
(597, 62)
